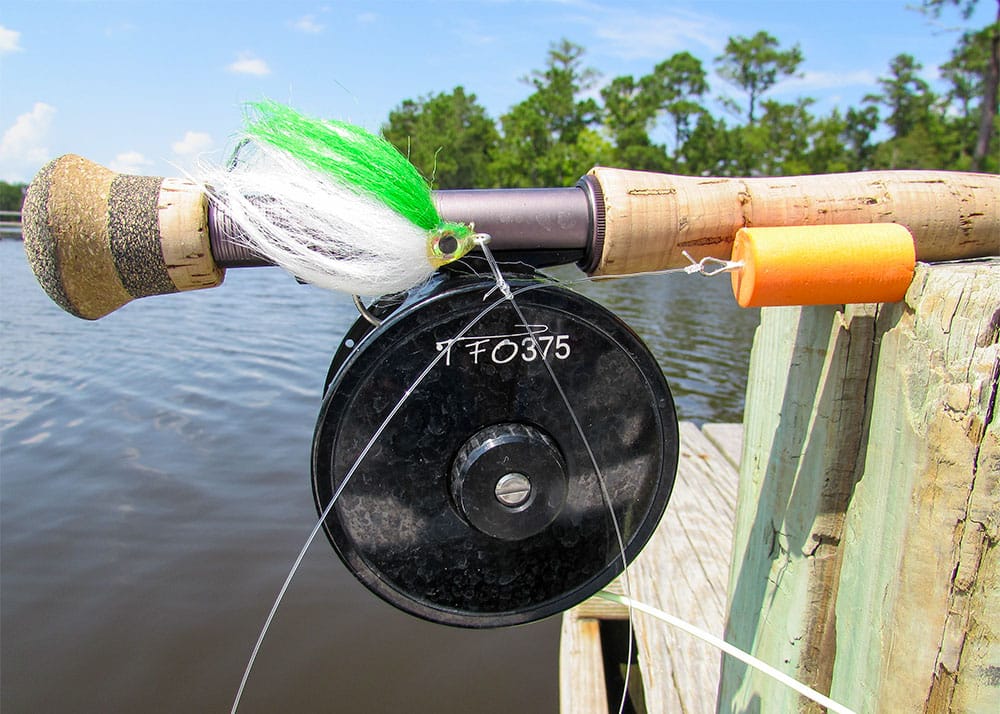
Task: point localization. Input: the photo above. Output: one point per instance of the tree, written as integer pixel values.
(755, 64)
(828, 153)
(905, 94)
(678, 81)
(789, 139)
(559, 130)
(969, 73)
(448, 137)
(856, 136)
(630, 109)
(916, 117)
(710, 149)
(778, 144)
(557, 88)
(966, 69)
(989, 37)
(548, 139)
(11, 196)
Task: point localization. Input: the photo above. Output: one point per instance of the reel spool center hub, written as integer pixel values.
(509, 481)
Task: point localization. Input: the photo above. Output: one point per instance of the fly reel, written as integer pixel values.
(475, 501)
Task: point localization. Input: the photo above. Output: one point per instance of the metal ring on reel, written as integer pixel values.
(478, 506)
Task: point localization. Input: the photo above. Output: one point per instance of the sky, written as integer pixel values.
(151, 87)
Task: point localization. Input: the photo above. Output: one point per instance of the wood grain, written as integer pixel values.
(865, 560)
(918, 614)
(681, 570)
(581, 667)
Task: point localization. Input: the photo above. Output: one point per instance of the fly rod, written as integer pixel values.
(342, 208)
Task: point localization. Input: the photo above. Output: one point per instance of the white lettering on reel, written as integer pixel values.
(532, 344)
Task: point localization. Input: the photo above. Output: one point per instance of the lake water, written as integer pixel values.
(154, 490)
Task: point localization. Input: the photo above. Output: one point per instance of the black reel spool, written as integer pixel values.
(478, 505)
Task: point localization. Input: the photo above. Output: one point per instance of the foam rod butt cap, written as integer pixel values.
(97, 240)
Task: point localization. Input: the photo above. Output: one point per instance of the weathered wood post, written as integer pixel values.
(865, 559)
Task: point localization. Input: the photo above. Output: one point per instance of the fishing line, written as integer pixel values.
(507, 294)
(730, 650)
(333, 500)
(707, 267)
(504, 288)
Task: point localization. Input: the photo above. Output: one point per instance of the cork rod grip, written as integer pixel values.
(651, 218)
(97, 240)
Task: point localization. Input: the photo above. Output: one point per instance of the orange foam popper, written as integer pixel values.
(822, 265)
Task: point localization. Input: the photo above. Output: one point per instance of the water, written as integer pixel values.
(154, 489)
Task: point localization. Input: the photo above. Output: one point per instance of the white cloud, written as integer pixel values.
(192, 143)
(129, 162)
(813, 80)
(308, 24)
(247, 63)
(367, 18)
(23, 147)
(10, 41)
(632, 35)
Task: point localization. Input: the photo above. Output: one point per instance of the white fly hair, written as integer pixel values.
(317, 229)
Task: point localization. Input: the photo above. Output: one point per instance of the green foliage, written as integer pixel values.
(967, 69)
(976, 61)
(630, 110)
(11, 196)
(678, 84)
(548, 139)
(974, 73)
(934, 7)
(560, 130)
(755, 64)
(857, 137)
(448, 137)
(711, 150)
(907, 97)
(828, 153)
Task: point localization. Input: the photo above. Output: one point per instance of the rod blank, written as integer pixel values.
(554, 222)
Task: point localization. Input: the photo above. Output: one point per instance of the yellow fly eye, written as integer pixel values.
(447, 245)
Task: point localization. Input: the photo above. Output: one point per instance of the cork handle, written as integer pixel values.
(651, 218)
(97, 240)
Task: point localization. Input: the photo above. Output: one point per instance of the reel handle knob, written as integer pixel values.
(96, 239)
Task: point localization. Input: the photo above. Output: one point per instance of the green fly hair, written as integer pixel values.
(349, 155)
(334, 204)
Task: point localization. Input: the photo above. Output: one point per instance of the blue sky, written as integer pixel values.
(145, 87)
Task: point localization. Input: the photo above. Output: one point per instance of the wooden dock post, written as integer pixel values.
(865, 559)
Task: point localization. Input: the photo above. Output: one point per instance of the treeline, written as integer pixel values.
(560, 130)
(11, 196)
(563, 127)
